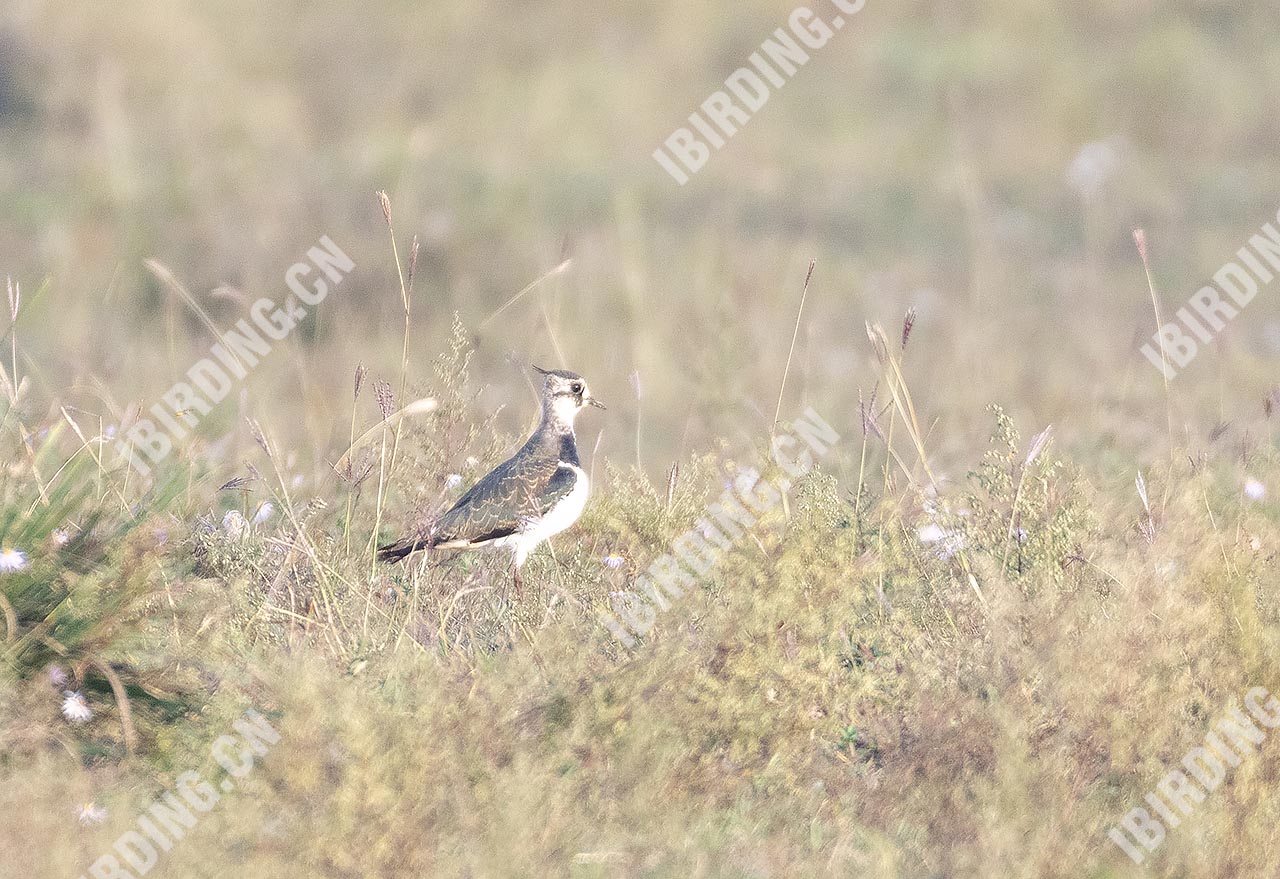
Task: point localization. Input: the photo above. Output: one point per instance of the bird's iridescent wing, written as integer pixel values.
(496, 506)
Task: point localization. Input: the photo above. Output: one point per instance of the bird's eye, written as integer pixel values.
(576, 387)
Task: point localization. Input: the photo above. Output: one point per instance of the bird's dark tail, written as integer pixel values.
(394, 552)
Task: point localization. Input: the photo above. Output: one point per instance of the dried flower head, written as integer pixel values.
(15, 298)
(948, 543)
(234, 524)
(240, 483)
(867, 410)
(384, 201)
(1146, 528)
(907, 323)
(91, 813)
(386, 398)
(255, 430)
(1038, 444)
(361, 372)
(75, 708)
(413, 260)
(1140, 239)
(12, 560)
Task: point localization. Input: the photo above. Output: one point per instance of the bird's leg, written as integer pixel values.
(518, 579)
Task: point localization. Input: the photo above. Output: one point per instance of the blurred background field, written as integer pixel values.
(984, 162)
(929, 155)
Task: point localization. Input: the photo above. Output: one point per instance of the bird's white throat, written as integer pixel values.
(563, 410)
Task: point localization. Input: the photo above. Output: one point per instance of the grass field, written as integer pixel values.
(1028, 578)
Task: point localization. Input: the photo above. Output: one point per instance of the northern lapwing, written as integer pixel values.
(538, 493)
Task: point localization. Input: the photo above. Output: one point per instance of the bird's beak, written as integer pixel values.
(594, 402)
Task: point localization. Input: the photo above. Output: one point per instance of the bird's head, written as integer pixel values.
(564, 395)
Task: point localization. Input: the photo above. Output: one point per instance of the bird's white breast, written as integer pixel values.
(570, 507)
(558, 518)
